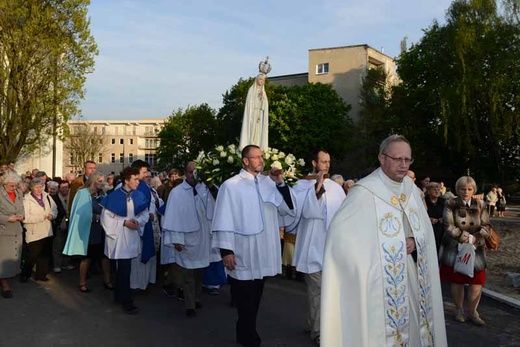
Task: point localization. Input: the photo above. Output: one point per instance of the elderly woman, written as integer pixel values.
(435, 208)
(11, 216)
(40, 210)
(465, 220)
(86, 235)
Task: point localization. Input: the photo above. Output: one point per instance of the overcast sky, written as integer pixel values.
(157, 56)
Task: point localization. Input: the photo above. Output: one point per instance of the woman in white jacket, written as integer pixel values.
(40, 210)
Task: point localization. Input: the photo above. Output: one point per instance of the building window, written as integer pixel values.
(150, 159)
(322, 68)
(130, 158)
(122, 158)
(151, 143)
(71, 159)
(113, 141)
(100, 158)
(121, 141)
(131, 141)
(113, 158)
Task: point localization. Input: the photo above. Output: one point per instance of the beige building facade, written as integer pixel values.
(344, 68)
(124, 141)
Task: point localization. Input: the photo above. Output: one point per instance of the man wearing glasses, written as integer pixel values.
(245, 227)
(373, 293)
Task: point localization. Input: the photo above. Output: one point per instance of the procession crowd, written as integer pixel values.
(372, 252)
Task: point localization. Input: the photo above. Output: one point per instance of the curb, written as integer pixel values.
(502, 298)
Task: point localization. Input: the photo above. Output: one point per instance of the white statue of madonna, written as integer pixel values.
(255, 124)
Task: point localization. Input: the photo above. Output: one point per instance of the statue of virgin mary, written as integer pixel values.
(255, 124)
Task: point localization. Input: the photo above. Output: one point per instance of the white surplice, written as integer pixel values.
(314, 217)
(186, 222)
(120, 241)
(142, 274)
(247, 221)
(373, 293)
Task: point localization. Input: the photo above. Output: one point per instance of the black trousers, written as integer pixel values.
(122, 291)
(38, 253)
(247, 296)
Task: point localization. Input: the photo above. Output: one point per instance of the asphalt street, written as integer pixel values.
(55, 313)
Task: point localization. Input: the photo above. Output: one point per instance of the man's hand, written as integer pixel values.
(319, 181)
(229, 262)
(178, 246)
(13, 218)
(276, 175)
(131, 224)
(410, 245)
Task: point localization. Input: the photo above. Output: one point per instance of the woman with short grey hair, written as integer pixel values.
(11, 216)
(40, 210)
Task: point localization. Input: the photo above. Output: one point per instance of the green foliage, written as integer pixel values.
(460, 98)
(301, 118)
(375, 123)
(185, 134)
(46, 50)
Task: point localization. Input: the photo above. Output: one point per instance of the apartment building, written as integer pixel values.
(123, 141)
(344, 68)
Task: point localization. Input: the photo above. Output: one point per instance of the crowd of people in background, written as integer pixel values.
(138, 230)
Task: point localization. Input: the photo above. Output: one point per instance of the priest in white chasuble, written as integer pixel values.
(373, 292)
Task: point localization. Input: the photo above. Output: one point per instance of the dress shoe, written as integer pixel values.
(57, 270)
(43, 278)
(460, 316)
(108, 286)
(475, 319)
(8, 294)
(130, 309)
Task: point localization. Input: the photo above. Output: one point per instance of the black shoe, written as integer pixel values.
(168, 291)
(7, 294)
(43, 278)
(180, 294)
(108, 286)
(191, 313)
(198, 304)
(130, 309)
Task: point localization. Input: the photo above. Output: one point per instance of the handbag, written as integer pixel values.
(493, 240)
(465, 260)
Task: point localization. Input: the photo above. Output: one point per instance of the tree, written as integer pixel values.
(301, 118)
(459, 101)
(84, 144)
(46, 50)
(185, 134)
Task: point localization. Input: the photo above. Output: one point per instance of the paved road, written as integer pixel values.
(57, 314)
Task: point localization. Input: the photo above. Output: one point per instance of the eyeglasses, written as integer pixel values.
(257, 157)
(407, 161)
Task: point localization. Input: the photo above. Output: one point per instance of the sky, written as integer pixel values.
(156, 56)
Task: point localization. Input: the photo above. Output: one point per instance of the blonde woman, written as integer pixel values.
(86, 235)
(465, 220)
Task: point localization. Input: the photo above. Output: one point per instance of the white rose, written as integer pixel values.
(267, 155)
(281, 155)
(232, 148)
(220, 148)
(301, 162)
(223, 154)
(276, 165)
(274, 157)
(230, 159)
(289, 160)
(274, 151)
(216, 162)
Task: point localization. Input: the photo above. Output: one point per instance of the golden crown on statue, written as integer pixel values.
(264, 66)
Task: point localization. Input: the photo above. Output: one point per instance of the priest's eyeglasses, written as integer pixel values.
(406, 161)
(258, 157)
